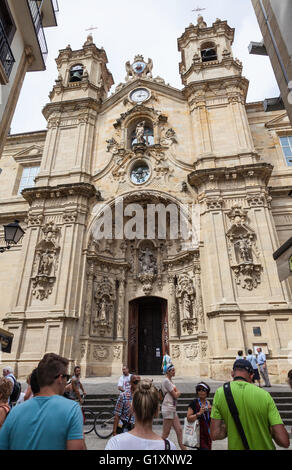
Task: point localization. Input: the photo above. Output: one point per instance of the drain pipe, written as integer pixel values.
(289, 83)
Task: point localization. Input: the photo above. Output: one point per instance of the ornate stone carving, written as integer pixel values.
(175, 351)
(147, 273)
(167, 137)
(204, 349)
(46, 262)
(191, 351)
(117, 352)
(104, 298)
(100, 352)
(185, 294)
(243, 251)
(139, 68)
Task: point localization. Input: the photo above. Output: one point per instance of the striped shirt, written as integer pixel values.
(123, 407)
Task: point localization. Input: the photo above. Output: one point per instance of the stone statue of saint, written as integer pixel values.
(46, 263)
(102, 316)
(201, 23)
(140, 128)
(186, 307)
(147, 262)
(244, 251)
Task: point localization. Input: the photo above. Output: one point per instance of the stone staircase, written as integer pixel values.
(103, 402)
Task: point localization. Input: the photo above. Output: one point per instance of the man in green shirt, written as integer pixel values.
(257, 410)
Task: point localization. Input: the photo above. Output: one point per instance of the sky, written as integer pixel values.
(148, 27)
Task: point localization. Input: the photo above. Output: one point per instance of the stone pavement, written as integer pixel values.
(95, 443)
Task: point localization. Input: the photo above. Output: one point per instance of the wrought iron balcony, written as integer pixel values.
(37, 22)
(6, 56)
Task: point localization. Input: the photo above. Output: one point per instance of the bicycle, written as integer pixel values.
(88, 419)
(104, 422)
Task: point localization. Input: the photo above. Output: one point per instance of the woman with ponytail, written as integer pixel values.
(145, 407)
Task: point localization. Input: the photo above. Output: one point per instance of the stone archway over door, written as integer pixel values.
(148, 335)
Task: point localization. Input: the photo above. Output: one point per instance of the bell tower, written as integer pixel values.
(216, 91)
(81, 87)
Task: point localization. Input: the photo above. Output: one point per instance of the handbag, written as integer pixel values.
(191, 434)
(234, 413)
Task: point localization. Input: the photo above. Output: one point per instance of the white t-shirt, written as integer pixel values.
(124, 381)
(127, 441)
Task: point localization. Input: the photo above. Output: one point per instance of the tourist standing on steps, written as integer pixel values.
(124, 418)
(168, 407)
(77, 391)
(239, 355)
(262, 362)
(200, 409)
(254, 363)
(258, 414)
(5, 391)
(124, 380)
(145, 406)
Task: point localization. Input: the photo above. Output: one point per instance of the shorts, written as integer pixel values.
(166, 414)
(256, 375)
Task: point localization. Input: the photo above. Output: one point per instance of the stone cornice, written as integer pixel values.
(63, 190)
(262, 171)
(205, 87)
(71, 106)
(198, 67)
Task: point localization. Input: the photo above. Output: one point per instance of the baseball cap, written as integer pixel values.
(243, 364)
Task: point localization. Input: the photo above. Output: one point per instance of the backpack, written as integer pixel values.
(15, 394)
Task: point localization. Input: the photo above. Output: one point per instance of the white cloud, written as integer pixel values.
(130, 27)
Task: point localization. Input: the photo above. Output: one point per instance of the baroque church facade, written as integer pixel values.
(106, 301)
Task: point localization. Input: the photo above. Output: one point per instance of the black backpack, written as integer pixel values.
(15, 394)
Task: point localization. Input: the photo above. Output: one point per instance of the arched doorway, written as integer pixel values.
(148, 335)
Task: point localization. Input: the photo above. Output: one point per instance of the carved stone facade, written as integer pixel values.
(201, 156)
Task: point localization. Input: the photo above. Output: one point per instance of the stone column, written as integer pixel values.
(172, 310)
(199, 301)
(121, 307)
(88, 305)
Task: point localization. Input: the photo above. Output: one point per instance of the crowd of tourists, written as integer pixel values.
(50, 417)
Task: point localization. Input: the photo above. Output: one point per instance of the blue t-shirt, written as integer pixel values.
(42, 423)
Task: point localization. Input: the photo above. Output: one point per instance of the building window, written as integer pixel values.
(286, 143)
(28, 177)
(257, 331)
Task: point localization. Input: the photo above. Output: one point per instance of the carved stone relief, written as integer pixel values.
(185, 294)
(46, 262)
(104, 302)
(243, 252)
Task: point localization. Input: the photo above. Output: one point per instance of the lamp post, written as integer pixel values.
(13, 233)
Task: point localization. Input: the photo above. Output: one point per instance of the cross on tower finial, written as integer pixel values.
(199, 9)
(91, 28)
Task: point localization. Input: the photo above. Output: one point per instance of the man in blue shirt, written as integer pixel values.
(47, 421)
(263, 367)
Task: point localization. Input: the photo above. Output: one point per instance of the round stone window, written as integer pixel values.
(140, 172)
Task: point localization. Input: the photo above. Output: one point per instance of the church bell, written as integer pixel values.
(76, 76)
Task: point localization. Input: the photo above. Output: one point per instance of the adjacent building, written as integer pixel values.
(110, 165)
(274, 18)
(23, 48)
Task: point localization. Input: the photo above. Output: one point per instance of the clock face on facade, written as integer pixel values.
(140, 173)
(139, 95)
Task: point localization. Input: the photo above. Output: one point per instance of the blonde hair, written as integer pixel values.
(6, 387)
(145, 401)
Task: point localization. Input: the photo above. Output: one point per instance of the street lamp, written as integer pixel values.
(13, 233)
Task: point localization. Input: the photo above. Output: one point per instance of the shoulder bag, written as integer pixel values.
(234, 413)
(191, 434)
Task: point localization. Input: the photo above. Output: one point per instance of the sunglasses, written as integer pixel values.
(201, 390)
(63, 376)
